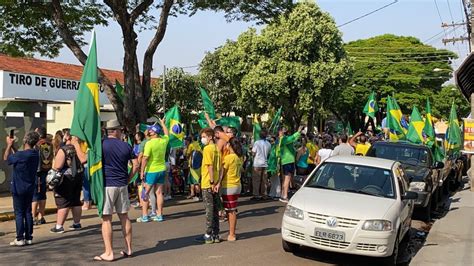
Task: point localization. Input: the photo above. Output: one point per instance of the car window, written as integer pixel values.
(403, 154)
(354, 178)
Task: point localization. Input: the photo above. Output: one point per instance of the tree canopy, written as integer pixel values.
(44, 27)
(298, 62)
(393, 65)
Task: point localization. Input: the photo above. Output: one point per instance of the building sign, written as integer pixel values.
(469, 135)
(27, 86)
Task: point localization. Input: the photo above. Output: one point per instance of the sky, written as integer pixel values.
(187, 39)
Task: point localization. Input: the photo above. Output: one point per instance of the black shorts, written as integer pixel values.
(40, 187)
(288, 169)
(68, 193)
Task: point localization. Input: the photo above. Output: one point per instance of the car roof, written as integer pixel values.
(399, 143)
(362, 160)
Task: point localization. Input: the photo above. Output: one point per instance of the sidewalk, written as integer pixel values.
(6, 206)
(451, 239)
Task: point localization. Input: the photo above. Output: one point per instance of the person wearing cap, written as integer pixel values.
(153, 170)
(116, 155)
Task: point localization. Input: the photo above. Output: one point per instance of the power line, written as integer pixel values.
(391, 47)
(452, 20)
(403, 62)
(399, 78)
(367, 14)
(361, 55)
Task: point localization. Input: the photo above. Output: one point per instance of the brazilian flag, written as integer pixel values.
(175, 128)
(86, 124)
(453, 134)
(415, 129)
(394, 117)
(371, 106)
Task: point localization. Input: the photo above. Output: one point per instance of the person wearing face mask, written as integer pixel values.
(209, 177)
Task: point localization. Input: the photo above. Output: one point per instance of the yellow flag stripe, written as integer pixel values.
(96, 167)
(94, 89)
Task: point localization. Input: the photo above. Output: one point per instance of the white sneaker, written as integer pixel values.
(196, 199)
(18, 243)
(29, 242)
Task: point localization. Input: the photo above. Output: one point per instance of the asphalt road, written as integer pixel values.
(172, 242)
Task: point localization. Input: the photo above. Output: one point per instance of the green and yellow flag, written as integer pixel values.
(86, 124)
(415, 129)
(371, 106)
(257, 128)
(229, 121)
(428, 128)
(175, 128)
(394, 116)
(453, 134)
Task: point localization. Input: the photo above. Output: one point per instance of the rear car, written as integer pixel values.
(424, 174)
(354, 205)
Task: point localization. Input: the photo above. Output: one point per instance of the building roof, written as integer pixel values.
(50, 69)
(464, 76)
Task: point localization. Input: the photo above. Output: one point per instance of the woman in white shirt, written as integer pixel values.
(324, 153)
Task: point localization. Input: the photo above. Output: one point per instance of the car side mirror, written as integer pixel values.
(410, 195)
(438, 165)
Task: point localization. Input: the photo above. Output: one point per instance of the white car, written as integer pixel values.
(354, 205)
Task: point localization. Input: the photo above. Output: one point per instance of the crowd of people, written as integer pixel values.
(215, 167)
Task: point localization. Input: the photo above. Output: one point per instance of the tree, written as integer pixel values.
(441, 103)
(180, 89)
(393, 65)
(44, 27)
(297, 61)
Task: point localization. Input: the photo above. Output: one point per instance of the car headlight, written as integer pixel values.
(377, 225)
(294, 212)
(417, 186)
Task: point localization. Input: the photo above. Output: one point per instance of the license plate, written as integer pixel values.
(331, 235)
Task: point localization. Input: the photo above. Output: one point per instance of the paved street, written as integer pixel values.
(171, 242)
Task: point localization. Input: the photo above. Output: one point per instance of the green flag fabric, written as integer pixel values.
(394, 116)
(119, 89)
(415, 129)
(173, 123)
(257, 128)
(275, 122)
(371, 107)
(428, 128)
(453, 134)
(207, 103)
(229, 121)
(86, 124)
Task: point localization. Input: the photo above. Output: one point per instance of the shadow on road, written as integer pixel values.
(184, 242)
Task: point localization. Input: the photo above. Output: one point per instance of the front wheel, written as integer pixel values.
(289, 247)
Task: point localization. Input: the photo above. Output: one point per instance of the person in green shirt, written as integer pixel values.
(287, 155)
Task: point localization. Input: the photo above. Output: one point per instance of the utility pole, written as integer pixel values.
(470, 34)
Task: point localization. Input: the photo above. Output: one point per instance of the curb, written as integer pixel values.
(8, 216)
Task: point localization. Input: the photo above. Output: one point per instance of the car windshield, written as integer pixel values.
(353, 178)
(406, 155)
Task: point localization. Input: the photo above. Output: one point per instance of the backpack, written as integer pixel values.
(196, 159)
(46, 156)
(72, 167)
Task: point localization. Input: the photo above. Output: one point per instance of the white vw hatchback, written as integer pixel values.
(355, 205)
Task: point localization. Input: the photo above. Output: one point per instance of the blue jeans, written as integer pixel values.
(23, 216)
(86, 188)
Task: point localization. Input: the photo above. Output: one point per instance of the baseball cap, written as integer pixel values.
(154, 128)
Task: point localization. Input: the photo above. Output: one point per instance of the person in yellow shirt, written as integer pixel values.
(229, 180)
(209, 178)
(313, 151)
(361, 147)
